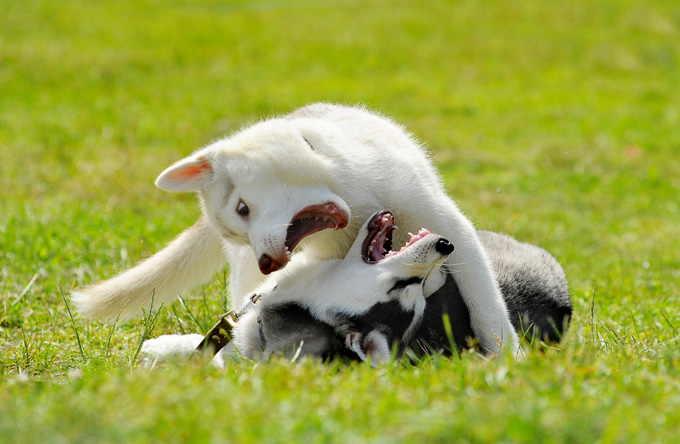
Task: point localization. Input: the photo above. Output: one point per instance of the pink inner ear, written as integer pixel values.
(191, 171)
(186, 175)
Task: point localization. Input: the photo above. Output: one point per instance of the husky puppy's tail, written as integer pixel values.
(189, 260)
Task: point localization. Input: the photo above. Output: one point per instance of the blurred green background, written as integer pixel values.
(556, 122)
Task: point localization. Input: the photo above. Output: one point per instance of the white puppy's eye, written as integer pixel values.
(310, 145)
(242, 209)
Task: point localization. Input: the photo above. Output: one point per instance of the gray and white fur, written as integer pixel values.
(369, 304)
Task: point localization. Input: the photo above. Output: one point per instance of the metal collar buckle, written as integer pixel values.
(220, 335)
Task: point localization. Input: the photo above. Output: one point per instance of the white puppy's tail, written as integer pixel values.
(189, 260)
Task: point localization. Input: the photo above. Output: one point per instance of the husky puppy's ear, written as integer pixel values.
(189, 174)
(434, 281)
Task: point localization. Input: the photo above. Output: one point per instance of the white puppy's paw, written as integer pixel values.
(168, 347)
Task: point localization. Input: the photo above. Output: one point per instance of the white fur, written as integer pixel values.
(360, 161)
(169, 346)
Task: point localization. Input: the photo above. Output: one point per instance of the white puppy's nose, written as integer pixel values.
(268, 264)
(443, 246)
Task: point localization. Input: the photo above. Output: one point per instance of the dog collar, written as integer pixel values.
(220, 335)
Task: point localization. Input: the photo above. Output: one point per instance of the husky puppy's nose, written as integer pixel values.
(443, 246)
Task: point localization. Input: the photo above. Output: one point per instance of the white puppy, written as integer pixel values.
(281, 183)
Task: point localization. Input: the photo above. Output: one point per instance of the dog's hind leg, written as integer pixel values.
(189, 260)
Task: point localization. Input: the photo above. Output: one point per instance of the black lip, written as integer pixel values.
(378, 242)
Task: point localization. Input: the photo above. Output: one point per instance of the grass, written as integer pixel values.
(556, 122)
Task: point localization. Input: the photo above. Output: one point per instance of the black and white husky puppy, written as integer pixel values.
(363, 303)
(373, 300)
(532, 282)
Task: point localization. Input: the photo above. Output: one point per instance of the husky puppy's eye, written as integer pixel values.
(403, 283)
(242, 209)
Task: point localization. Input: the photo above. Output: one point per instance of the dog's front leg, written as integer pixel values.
(479, 289)
(244, 273)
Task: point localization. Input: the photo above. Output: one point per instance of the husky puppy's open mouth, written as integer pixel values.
(378, 244)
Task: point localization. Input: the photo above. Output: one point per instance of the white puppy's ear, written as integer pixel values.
(188, 174)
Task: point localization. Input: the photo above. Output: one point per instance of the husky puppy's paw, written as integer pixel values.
(373, 346)
(353, 341)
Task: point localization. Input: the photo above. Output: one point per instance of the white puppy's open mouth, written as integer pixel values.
(308, 221)
(313, 219)
(378, 243)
